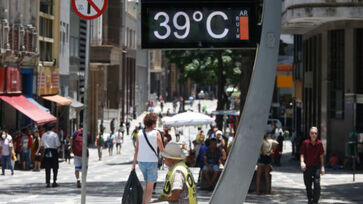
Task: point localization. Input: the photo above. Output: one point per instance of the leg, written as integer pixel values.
(258, 178)
(47, 175)
(9, 163)
(316, 185)
(55, 174)
(308, 182)
(215, 176)
(3, 164)
(206, 175)
(148, 192)
(267, 179)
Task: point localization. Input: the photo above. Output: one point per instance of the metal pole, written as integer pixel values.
(235, 180)
(85, 120)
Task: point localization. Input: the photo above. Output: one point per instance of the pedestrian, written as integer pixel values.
(6, 149)
(76, 147)
(181, 104)
(212, 163)
(264, 162)
(122, 128)
(191, 99)
(134, 136)
(25, 148)
(175, 105)
(147, 142)
(280, 140)
(162, 104)
(51, 144)
(179, 185)
(102, 128)
(230, 141)
(312, 164)
(99, 145)
(37, 144)
(67, 152)
(110, 142)
(140, 127)
(112, 125)
(168, 112)
(128, 123)
(119, 139)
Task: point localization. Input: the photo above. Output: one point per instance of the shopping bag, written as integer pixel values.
(133, 190)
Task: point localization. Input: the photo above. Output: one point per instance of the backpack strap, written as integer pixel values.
(147, 140)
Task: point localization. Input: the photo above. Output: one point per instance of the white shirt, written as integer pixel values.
(118, 137)
(50, 140)
(5, 145)
(146, 154)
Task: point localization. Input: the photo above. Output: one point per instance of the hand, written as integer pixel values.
(322, 172)
(69, 148)
(303, 166)
(133, 167)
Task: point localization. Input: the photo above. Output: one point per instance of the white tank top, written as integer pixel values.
(145, 153)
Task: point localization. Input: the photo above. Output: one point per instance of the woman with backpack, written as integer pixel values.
(147, 142)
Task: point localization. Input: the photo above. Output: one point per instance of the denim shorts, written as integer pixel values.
(149, 171)
(213, 166)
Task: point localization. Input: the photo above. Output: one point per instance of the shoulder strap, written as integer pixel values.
(147, 140)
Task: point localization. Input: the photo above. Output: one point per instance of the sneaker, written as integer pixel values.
(78, 184)
(55, 185)
(3, 174)
(48, 185)
(12, 172)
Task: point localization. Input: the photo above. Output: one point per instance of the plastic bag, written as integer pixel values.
(133, 190)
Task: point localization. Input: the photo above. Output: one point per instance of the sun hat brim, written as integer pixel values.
(166, 155)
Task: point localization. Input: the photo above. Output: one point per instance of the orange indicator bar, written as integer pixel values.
(243, 28)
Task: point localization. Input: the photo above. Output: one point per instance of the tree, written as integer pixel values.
(209, 67)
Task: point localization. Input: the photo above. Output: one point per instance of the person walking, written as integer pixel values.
(51, 144)
(147, 142)
(76, 147)
(110, 142)
(134, 136)
(179, 185)
(312, 164)
(37, 143)
(6, 148)
(112, 125)
(119, 139)
(128, 122)
(99, 145)
(25, 147)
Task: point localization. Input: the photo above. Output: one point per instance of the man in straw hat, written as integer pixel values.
(179, 186)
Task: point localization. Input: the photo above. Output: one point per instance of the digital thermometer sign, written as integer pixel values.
(193, 24)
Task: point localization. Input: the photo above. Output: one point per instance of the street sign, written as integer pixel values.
(89, 9)
(199, 24)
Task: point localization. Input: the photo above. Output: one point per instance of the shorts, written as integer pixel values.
(78, 163)
(109, 145)
(37, 158)
(23, 156)
(118, 144)
(149, 171)
(213, 166)
(264, 160)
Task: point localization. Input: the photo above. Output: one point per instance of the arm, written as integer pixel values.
(70, 143)
(175, 195)
(302, 163)
(136, 153)
(160, 142)
(40, 143)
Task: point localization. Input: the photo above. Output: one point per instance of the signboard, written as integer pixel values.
(89, 9)
(199, 24)
(48, 80)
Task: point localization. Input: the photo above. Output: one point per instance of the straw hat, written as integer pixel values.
(173, 151)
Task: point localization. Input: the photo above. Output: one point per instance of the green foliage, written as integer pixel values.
(201, 66)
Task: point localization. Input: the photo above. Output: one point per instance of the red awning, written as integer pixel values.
(32, 111)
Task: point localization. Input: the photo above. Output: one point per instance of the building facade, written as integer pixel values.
(327, 68)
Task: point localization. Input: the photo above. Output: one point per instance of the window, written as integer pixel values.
(45, 51)
(46, 6)
(45, 27)
(336, 74)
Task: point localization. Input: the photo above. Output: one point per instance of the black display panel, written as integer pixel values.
(198, 24)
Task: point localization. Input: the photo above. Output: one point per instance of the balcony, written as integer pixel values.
(302, 16)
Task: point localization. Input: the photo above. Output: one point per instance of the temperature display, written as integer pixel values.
(198, 27)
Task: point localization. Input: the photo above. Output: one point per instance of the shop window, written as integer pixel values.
(336, 74)
(359, 57)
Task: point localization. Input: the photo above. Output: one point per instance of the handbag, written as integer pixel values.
(160, 160)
